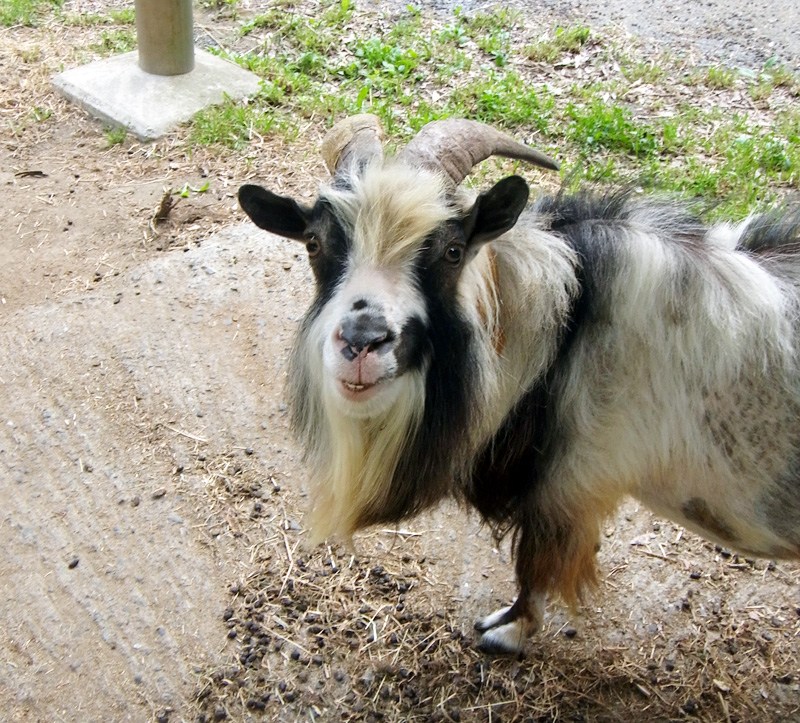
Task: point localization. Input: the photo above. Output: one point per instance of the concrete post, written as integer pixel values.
(165, 36)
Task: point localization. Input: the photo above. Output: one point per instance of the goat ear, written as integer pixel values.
(496, 211)
(279, 214)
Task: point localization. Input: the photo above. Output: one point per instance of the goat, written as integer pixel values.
(541, 361)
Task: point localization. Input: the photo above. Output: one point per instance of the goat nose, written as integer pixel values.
(364, 332)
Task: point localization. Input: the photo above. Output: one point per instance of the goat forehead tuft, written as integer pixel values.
(389, 211)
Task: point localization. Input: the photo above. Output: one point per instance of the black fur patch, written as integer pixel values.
(412, 349)
(507, 471)
(773, 233)
(329, 265)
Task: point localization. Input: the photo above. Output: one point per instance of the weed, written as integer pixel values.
(233, 124)
(492, 32)
(339, 12)
(374, 57)
(294, 32)
(407, 29)
(40, 114)
(115, 136)
(455, 34)
(779, 75)
(497, 19)
(772, 76)
(761, 90)
(123, 16)
(31, 55)
(228, 6)
(644, 71)
(503, 99)
(186, 190)
(497, 45)
(718, 77)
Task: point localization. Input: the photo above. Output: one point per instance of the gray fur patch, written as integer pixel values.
(697, 510)
(781, 506)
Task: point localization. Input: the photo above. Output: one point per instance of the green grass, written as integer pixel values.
(620, 121)
(610, 128)
(507, 96)
(563, 40)
(229, 8)
(645, 70)
(115, 136)
(124, 16)
(718, 77)
(25, 12)
(114, 42)
(488, 67)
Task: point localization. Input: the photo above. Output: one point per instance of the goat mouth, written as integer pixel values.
(356, 391)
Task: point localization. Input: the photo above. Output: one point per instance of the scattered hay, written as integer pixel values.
(328, 635)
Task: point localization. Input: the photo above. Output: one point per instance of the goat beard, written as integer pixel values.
(353, 461)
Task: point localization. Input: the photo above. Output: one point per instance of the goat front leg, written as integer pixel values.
(506, 630)
(555, 552)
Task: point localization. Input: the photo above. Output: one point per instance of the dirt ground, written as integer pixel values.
(153, 560)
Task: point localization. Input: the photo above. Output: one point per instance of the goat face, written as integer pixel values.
(385, 363)
(387, 248)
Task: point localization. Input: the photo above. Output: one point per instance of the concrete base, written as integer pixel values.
(119, 92)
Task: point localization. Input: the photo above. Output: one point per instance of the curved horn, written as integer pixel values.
(352, 140)
(455, 145)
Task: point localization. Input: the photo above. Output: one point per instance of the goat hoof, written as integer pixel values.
(508, 639)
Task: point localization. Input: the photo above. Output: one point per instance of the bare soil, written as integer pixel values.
(152, 557)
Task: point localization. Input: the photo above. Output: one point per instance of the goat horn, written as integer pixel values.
(352, 140)
(455, 145)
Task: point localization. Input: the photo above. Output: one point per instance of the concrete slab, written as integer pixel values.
(119, 92)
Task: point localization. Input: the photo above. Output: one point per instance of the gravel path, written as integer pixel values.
(737, 33)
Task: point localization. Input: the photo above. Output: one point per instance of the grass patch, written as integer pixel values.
(234, 125)
(616, 126)
(718, 77)
(25, 12)
(114, 42)
(504, 96)
(645, 70)
(612, 128)
(115, 136)
(563, 40)
(124, 16)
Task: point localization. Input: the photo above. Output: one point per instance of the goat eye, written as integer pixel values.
(454, 254)
(313, 248)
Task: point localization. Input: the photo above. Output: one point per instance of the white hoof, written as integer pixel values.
(508, 638)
